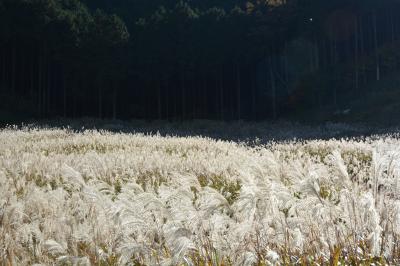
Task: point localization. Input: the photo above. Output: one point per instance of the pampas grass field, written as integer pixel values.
(94, 197)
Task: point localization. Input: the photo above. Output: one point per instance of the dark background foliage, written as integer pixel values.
(192, 59)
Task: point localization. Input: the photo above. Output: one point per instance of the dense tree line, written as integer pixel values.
(183, 59)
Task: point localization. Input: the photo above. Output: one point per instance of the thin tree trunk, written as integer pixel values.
(392, 30)
(392, 33)
(336, 59)
(159, 106)
(378, 70)
(335, 52)
(254, 92)
(74, 94)
(13, 68)
(311, 58)
(2, 65)
(362, 50)
(175, 103)
(316, 56)
(273, 89)
(65, 95)
(204, 95)
(285, 65)
(356, 55)
(114, 99)
(100, 99)
(32, 81)
(22, 84)
(217, 100)
(325, 53)
(45, 72)
(333, 63)
(3, 72)
(183, 88)
(167, 97)
(238, 90)
(221, 93)
(49, 80)
(44, 85)
(40, 75)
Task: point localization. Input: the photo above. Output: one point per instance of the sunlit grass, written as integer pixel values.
(100, 198)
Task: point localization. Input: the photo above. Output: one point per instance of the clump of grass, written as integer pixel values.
(151, 180)
(229, 189)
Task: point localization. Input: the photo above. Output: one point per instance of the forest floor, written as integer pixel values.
(78, 196)
(377, 104)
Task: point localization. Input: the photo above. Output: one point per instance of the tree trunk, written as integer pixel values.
(392, 30)
(392, 33)
(285, 64)
(75, 85)
(217, 100)
(175, 102)
(356, 55)
(325, 52)
(49, 81)
(333, 49)
(221, 93)
(273, 88)
(44, 85)
(378, 70)
(13, 68)
(183, 88)
(204, 109)
(167, 98)
(100, 95)
(21, 82)
(40, 75)
(238, 90)
(362, 50)
(316, 56)
(65, 95)
(4, 67)
(159, 106)
(311, 58)
(45, 72)
(32, 81)
(114, 99)
(254, 92)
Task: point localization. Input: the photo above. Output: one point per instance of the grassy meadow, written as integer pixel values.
(96, 197)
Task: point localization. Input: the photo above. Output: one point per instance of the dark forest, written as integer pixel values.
(208, 59)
